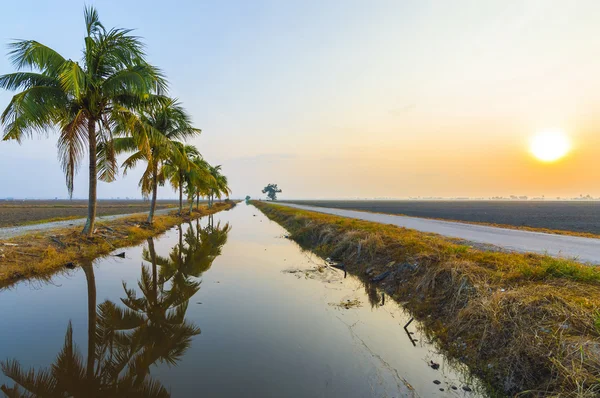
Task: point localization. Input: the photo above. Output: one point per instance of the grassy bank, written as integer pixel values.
(41, 254)
(526, 324)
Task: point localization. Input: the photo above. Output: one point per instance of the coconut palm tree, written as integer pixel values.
(159, 125)
(198, 181)
(220, 186)
(177, 167)
(81, 99)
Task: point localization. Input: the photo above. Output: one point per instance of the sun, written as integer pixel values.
(550, 145)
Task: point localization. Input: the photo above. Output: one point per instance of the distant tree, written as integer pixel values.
(271, 190)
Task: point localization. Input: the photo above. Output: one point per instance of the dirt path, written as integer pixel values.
(586, 250)
(10, 232)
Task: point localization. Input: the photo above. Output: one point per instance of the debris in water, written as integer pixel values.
(347, 304)
(122, 255)
(434, 365)
(437, 382)
(467, 388)
(453, 387)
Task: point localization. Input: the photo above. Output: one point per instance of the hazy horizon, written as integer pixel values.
(347, 99)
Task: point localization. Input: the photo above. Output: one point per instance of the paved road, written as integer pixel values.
(583, 249)
(10, 232)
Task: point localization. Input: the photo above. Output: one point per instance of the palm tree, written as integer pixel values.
(160, 125)
(178, 165)
(83, 100)
(198, 181)
(220, 186)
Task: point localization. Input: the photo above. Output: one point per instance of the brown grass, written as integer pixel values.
(41, 254)
(496, 225)
(527, 324)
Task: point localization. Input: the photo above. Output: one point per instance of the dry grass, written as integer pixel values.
(41, 254)
(496, 225)
(527, 324)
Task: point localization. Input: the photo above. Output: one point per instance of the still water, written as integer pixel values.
(221, 307)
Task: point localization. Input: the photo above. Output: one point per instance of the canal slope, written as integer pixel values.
(580, 248)
(525, 323)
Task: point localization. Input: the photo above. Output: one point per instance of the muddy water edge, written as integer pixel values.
(224, 306)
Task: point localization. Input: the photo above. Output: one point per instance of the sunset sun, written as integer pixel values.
(549, 146)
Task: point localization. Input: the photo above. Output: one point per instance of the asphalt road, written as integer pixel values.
(10, 232)
(585, 250)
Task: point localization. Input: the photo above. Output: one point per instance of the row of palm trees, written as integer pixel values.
(112, 102)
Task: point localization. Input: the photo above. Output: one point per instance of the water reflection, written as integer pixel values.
(125, 339)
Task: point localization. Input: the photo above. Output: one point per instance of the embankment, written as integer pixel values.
(39, 255)
(526, 324)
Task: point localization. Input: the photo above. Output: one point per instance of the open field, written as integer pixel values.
(18, 212)
(582, 217)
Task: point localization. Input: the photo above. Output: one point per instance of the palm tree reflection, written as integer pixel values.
(124, 341)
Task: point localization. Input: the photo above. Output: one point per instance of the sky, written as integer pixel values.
(347, 98)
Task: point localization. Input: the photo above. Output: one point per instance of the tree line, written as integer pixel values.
(111, 102)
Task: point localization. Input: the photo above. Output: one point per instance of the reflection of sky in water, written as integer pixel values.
(264, 332)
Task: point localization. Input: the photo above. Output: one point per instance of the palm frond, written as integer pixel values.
(34, 55)
(72, 143)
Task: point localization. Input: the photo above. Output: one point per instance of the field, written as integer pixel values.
(18, 212)
(581, 217)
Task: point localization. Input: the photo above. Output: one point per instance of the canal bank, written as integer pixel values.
(39, 254)
(524, 323)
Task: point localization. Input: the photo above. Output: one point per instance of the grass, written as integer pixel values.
(496, 225)
(39, 255)
(526, 324)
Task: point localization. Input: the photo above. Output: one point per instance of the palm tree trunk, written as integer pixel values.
(191, 205)
(88, 270)
(180, 193)
(91, 217)
(154, 193)
(197, 201)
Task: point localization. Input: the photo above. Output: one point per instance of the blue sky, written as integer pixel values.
(342, 98)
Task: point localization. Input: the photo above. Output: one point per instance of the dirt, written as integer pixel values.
(568, 216)
(16, 212)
